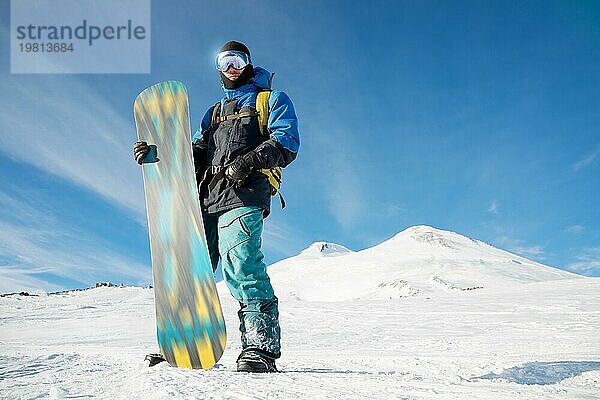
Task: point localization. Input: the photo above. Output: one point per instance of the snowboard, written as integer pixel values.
(190, 326)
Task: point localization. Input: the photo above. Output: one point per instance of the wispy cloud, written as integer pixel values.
(37, 252)
(586, 160)
(588, 262)
(393, 210)
(63, 127)
(338, 176)
(36, 249)
(280, 238)
(493, 208)
(589, 268)
(575, 230)
(344, 195)
(530, 251)
(20, 281)
(519, 247)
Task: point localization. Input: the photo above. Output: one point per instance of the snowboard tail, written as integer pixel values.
(190, 326)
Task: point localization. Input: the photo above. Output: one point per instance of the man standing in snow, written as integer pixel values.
(230, 145)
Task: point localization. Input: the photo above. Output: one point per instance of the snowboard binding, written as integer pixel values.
(154, 359)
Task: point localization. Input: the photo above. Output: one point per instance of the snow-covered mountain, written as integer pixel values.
(419, 261)
(324, 249)
(427, 314)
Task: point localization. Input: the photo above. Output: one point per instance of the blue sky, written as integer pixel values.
(472, 116)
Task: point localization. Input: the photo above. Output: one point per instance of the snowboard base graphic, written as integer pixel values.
(190, 326)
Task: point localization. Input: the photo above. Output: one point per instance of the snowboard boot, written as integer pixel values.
(253, 360)
(154, 359)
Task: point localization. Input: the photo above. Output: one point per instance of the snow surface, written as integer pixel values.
(428, 314)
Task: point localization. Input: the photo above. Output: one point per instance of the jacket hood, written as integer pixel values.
(260, 80)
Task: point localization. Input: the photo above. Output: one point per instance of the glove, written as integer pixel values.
(242, 166)
(199, 150)
(140, 149)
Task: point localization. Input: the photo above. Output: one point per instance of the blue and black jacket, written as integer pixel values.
(231, 138)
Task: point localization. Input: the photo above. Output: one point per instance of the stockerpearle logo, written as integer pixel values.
(80, 36)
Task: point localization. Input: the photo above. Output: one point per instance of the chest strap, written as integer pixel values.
(236, 116)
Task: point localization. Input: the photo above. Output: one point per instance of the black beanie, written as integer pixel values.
(248, 71)
(235, 46)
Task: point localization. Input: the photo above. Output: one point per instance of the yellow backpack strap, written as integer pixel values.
(214, 119)
(262, 106)
(274, 174)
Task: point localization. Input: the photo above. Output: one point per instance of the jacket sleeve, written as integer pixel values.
(204, 125)
(282, 146)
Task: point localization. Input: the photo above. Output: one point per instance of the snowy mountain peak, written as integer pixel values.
(436, 237)
(420, 261)
(325, 249)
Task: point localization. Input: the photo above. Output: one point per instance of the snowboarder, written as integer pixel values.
(230, 151)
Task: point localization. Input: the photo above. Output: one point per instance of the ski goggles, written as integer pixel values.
(232, 58)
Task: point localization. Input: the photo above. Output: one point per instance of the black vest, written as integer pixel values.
(227, 140)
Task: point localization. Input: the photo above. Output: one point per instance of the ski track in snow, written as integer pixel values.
(438, 316)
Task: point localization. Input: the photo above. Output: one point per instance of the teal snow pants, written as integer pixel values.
(235, 237)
